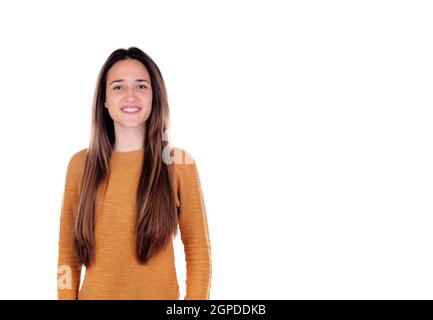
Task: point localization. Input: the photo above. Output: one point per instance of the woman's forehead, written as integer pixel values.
(130, 69)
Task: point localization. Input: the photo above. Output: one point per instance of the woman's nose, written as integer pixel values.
(130, 92)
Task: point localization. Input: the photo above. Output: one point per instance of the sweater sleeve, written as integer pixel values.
(69, 267)
(194, 232)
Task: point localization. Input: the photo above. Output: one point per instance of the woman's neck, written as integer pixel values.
(129, 139)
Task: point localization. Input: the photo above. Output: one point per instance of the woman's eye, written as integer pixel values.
(142, 86)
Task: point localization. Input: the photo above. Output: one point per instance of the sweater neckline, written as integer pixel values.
(127, 152)
(127, 155)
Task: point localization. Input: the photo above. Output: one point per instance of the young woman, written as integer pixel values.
(127, 193)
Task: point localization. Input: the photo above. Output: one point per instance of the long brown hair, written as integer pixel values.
(156, 209)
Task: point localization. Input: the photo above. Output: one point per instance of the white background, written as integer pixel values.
(310, 122)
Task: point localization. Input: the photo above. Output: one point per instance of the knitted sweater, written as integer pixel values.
(116, 272)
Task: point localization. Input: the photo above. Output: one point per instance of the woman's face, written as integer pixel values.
(128, 93)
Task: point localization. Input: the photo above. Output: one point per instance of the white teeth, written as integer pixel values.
(130, 109)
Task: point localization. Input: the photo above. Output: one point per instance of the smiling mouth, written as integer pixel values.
(130, 110)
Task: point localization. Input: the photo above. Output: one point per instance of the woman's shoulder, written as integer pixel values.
(78, 160)
(79, 156)
(182, 162)
(75, 167)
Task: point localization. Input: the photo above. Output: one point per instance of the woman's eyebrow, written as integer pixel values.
(137, 80)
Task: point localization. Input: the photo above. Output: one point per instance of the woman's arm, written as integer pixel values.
(69, 268)
(194, 232)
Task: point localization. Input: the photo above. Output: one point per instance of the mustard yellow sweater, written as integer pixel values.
(116, 272)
